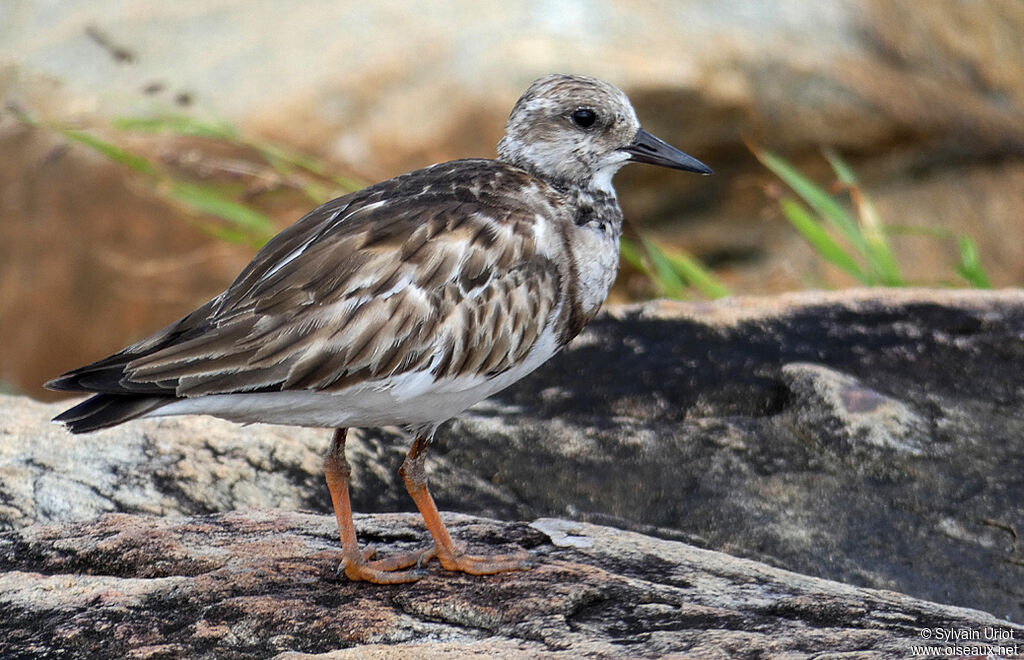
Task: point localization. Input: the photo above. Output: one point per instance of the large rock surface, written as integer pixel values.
(261, 583)
(876, 438)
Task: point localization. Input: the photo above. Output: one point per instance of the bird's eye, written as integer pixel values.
(584, 117)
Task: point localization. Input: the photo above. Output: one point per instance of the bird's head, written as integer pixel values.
(581, 131)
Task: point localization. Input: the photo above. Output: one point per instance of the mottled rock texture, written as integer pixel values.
(875, 438)
(260, 583)
(870, 437)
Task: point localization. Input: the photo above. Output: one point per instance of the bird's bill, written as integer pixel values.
(647, 148)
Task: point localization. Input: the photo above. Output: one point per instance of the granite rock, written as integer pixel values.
(869, 437)
(263, 584)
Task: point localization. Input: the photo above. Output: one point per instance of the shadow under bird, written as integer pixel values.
(405, 303)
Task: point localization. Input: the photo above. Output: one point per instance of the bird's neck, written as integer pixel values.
(592, 244)
(592, 201)
(593, 206)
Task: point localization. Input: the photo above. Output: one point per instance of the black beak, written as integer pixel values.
(649, 149)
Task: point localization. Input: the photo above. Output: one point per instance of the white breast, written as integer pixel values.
(597, 261)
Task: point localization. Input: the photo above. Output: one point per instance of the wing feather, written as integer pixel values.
(372, 285)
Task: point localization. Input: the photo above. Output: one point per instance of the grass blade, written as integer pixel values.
(632, 255)
(111, 151)
(665, 275)
(259, 226)
(283, 160)
(842, 169)
(879, 253)
(694, 272)
(673, 273)
(230, 234)
(182, 125)
(970, 267)
(815, 197)
(815, 233)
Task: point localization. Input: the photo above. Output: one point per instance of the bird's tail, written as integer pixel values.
(105, 410)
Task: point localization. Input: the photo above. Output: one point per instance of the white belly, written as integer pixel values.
(413, 399)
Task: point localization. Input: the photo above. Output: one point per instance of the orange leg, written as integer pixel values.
(385, 571)
(451, 557)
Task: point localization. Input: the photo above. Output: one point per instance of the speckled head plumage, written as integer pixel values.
(580, 131)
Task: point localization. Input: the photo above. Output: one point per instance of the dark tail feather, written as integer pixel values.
(106, 410)
(106, 375)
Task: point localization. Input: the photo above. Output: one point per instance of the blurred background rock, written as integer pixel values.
(926, 100)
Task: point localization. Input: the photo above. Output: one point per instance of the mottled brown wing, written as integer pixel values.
(434, 270)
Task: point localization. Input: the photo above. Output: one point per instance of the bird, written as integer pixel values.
(404, 303)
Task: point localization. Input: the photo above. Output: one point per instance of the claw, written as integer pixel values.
(426, 555)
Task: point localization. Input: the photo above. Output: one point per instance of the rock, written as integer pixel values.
(870, 437)
(829, 404)
(874, 438)
(261, 583)
(175, 466)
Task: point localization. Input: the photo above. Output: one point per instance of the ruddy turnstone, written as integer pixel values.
(405, 303)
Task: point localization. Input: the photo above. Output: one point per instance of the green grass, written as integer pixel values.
(856, 241)
(674, 274)
(222, 210)
(285, 161)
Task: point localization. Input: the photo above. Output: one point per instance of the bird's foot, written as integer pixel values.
(399, 561)
(484, 564)
(392, 569)
(388, 570)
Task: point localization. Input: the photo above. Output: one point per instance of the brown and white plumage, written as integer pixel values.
(456, 284)
(406, 302)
